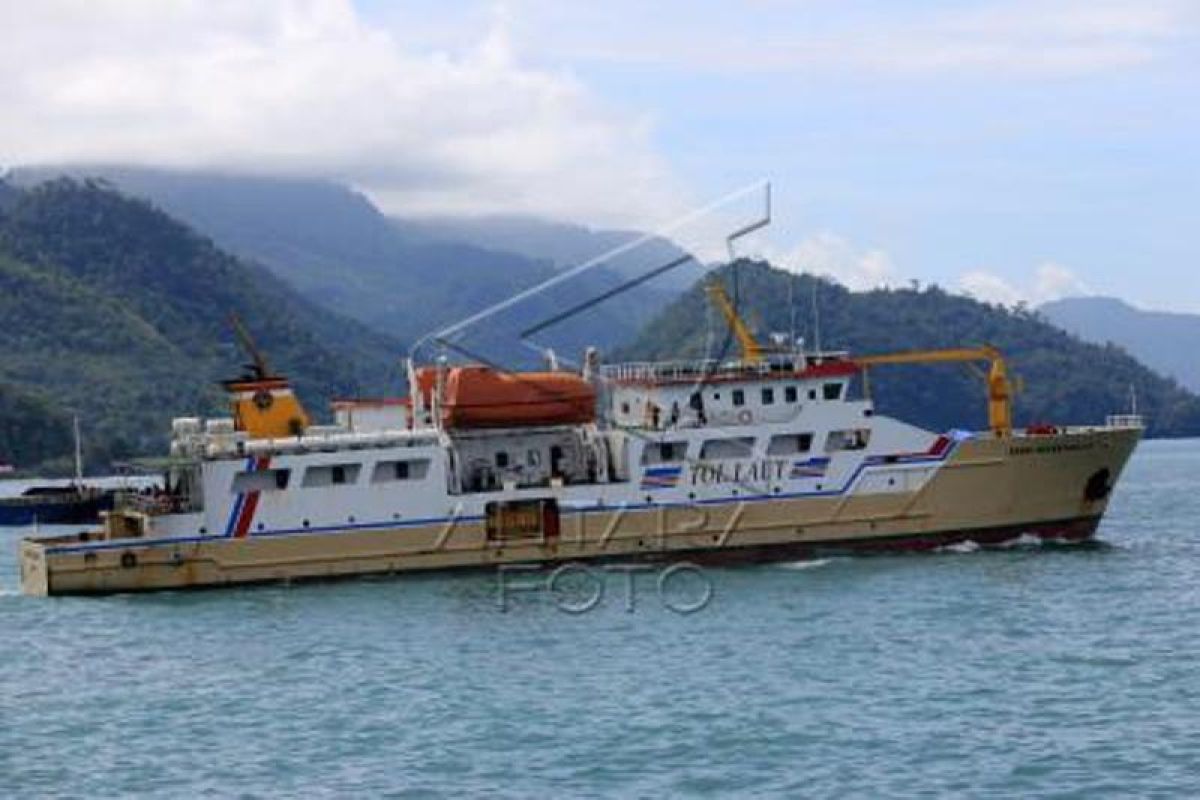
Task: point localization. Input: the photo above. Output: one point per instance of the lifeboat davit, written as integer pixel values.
(482, 397)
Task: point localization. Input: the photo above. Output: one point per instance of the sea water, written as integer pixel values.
(1064, 671)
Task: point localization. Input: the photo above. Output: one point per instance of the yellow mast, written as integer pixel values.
(998, 383)
(751, 350)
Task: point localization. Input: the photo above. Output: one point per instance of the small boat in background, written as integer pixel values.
(57, 504)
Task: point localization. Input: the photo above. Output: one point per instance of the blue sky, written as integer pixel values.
(988, 137)
(1020, 150)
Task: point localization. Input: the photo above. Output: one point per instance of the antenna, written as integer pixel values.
(78, 456)
(746, 230)
(816, 313)
(792, 310)
(259, 366)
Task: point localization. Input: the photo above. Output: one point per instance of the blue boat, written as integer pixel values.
(56, 505)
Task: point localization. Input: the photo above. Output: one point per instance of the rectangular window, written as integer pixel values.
(408, 470)
(501, 459)
(790, 395)
(737, 447)
(787, 444)
(739, 397)
(856, 439)
(833, 391)
(264, 480)
(768, 396)
(331, 475)
(664, 452)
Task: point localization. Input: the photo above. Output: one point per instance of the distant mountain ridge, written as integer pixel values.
(117, 312)
(405, 278)
(1167, 341)
(1066, 380)
(563, 244)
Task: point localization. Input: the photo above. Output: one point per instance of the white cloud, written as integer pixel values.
(990, 288)
(310, 87)
(1051, 281)
(1054, 281)
(830, 255)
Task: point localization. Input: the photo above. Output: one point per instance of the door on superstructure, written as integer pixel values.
(532, 521)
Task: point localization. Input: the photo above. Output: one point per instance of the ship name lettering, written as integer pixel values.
(711, 472)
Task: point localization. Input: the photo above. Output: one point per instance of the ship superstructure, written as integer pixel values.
(769, 455)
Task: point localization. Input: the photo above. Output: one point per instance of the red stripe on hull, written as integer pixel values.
(248, 508)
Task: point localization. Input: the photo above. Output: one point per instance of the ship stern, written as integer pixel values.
(35, 575)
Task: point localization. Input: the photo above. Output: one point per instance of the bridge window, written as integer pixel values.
(790, 394)
(768, 396)
(736, 447)
(264, 480)
(832, 391)
(786, 444)
(739, 397)
(856, 439)
(407, 470)
(331, 475)
(501, 459)
(664, 452)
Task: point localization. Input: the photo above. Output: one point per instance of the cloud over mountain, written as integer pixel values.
(311, 87)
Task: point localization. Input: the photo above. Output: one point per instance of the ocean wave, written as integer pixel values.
(810, 563)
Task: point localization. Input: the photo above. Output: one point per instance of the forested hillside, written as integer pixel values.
(405, 279)
(1065, 379)
(114, 311)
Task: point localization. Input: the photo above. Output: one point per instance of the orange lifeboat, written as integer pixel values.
(481, 397)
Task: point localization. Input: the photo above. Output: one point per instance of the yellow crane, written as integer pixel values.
(751, 350)
(999, 385)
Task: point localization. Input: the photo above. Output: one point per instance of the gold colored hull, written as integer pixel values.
(990, 490)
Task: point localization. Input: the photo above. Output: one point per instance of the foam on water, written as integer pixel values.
(962, 548)
(811, 563)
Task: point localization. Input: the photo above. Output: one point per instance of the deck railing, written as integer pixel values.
(698, 369)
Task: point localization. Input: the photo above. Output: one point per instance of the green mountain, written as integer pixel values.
(1066, 380)
(1166, 341)
(31, 427)
(117, 312)
(406, 278)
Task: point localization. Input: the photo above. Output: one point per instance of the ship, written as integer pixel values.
(75, 503)
(776, 453)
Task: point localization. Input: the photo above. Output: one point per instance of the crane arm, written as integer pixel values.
(259, 365)
(751, 349)
(998, 383)
(954, 354)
